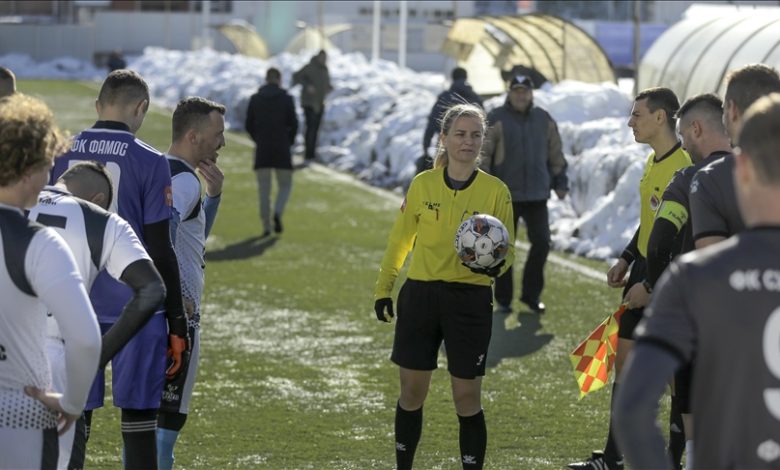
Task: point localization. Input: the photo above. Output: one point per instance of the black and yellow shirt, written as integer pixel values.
(658, 172)
(430, 215)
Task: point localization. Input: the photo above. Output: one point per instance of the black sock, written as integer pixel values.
(138, 433)
(676, 433)
(611, 452)
(78, 452)
(408, 428)
(171, 420)
(473, 440)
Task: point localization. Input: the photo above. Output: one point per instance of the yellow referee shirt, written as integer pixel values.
(658, 173)
(431, 214)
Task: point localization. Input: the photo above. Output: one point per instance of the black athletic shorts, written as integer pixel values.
(431, 311)
(631, 317)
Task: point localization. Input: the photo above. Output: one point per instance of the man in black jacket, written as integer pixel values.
(459, 92)
(272, 123)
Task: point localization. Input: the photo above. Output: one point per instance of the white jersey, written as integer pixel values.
(38, 274)
(190, 237)
(97, 238)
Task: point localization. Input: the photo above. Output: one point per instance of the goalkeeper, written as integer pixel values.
(442, 299)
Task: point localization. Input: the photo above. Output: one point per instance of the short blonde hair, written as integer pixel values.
(29, 138)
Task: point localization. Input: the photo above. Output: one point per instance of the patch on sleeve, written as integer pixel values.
(168, 196)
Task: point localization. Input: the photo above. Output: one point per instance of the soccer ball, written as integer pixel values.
(481, 241)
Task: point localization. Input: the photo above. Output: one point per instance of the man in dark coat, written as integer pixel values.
(523, 148)
(272, 123)
(459, 92)
(314, 79)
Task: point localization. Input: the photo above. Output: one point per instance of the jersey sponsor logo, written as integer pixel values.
(755, 280)
(171, 393)
(47, 200)
(168, 196)
(768, 451)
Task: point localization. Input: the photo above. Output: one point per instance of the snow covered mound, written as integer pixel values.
(376, 115)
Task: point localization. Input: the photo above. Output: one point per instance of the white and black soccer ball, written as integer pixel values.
(481, 241)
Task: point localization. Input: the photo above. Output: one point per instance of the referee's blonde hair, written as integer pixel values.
(450, 116)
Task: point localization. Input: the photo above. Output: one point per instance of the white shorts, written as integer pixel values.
(28, 448)
(55, 351)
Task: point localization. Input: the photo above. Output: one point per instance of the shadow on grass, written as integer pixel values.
(251, 247)
(515, 342)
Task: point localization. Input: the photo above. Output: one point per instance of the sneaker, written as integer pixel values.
(534, 305)
(596, 462)
(277, 223)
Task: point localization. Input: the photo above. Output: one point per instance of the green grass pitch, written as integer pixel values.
(294, 367)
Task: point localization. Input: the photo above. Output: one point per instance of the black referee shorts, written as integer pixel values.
(631, 317)
(431, 311)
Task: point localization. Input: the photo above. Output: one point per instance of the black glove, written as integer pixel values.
(492, 271)
(379, 307)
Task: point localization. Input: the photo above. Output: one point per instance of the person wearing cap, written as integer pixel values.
(460, 92)
(523, 149)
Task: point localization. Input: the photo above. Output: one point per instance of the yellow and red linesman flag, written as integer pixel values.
(594, 357)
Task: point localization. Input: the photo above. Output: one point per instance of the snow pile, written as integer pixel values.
(376, 115)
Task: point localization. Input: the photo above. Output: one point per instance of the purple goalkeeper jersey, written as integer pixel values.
(142, 194)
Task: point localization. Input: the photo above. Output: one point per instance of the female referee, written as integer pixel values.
(442, 299)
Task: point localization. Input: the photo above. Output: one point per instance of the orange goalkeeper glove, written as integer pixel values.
(177, 352)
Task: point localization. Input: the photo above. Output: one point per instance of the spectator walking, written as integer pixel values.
(272, 123)
(116, 61)
(523, 149)
(460, 92)
(315, 85)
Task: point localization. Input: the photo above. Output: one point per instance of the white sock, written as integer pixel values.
(689, 454)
